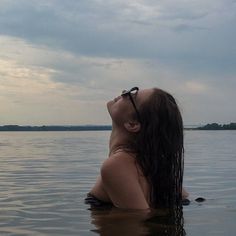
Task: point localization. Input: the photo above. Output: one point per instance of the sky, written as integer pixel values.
(61, 61)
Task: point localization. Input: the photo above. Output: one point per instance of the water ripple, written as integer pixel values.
(44, 177)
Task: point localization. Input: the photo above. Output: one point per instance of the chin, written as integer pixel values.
(109, 104)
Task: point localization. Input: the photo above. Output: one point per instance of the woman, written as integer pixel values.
(145, 165)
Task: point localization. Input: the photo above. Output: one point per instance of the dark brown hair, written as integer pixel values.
(159, 147)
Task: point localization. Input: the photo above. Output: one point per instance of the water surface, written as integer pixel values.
(44, 177)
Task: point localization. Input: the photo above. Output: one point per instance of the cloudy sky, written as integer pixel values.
(61, 61)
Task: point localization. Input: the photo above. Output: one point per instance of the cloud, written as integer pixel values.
(74, 53)
(188, 28)
(195, 87)
(178, 32)
(42, 84)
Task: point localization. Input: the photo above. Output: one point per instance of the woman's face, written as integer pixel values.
(121, 108)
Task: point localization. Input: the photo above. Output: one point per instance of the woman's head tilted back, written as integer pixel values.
(159, 145)
(153, 120)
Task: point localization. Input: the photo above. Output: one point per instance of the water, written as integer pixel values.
(210, 171)
(44, 177)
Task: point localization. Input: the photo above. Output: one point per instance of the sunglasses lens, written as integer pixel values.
(131, 94)
(133, 91)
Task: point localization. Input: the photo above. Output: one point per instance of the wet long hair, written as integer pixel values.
(160, 150)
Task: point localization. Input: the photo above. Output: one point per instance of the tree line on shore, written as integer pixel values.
(216, 126)
(54, 128)
(212, 126)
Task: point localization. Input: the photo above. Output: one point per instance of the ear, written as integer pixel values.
(132, 126)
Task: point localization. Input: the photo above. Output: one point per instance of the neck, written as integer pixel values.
(119, 139)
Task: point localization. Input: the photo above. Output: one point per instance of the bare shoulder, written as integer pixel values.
(121, 161)
(120, 181)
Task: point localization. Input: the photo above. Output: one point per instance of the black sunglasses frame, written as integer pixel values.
(129, 94)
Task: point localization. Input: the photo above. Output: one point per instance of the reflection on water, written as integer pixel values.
(118, 222)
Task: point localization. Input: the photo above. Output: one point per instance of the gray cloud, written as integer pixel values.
(189, 28)
(90, 50)
(125, 29)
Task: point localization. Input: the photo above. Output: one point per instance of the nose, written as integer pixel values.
(123, 91)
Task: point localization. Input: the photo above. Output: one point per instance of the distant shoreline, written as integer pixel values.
(212, 126)
(55, 128)
(216, 126)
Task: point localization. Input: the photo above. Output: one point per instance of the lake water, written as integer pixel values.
(44, 178)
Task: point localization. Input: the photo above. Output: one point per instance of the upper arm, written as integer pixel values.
(120, 181)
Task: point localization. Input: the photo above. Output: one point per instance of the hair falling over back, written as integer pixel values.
(160, 150)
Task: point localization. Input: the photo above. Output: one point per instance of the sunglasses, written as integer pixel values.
(132, 93)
